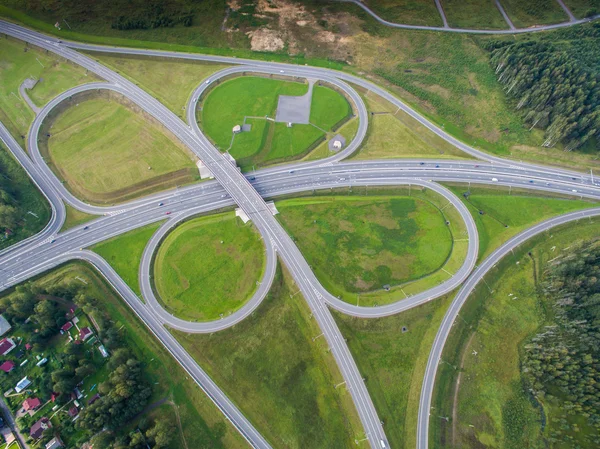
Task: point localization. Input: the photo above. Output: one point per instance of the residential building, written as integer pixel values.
(54, 443)
(31, 404)
(7, 366)
(22, 384)
(7, 345)
(4, 325)
(38, 428)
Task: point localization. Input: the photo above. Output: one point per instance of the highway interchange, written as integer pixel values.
(50, 248)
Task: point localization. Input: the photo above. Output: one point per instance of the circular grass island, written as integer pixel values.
(107, 153)
(208, 267)
(253, 101)
(377, 249)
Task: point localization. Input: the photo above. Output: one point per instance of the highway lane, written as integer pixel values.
(253, 206)
(460, 299)
(498, 160)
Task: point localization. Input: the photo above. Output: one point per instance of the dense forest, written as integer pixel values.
(562, 361)
(555, 82)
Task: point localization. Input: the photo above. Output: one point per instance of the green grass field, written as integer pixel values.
(124, 253)
(75, 217)
(492, 407)
(357, 245)
(348, 130)
(580, 8)
(103, 150)
(280, 378)
(393, 363)
(208, 267)
(482, 14)
(412, 12)
(33, 211)
(203, 425)
(155, 75)
(519, 211)
(394, 134)
(19, 62)
(267, 142)
(534, 12)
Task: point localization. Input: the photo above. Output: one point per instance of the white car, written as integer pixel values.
(495, 179)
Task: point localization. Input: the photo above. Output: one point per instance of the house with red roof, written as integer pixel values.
(38, 428)
(85, 333)
(73, 412)
(7, 345)
(31, 404)
(65, 327)
(28, 346)
(7, 366)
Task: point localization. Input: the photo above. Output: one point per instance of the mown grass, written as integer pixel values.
(106, 152)
(18, 62)
(394, 134)
(476, 14)
(231, 102)
(169, 80)
(124, 253)
(203, 424)
(493, 406)
(357, 245)
(328, 107)
(393, 362)
(280, 378)
(75, 218)
(33, 211)
(534, 12)
(505, 215)
(348, 130)
(208, 267)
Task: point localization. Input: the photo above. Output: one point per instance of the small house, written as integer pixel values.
(38, 428)
(22, 384)
(4, 325)
(31, 404)
(54, 443)
(85, 333)
(7, 366)
(7, 345)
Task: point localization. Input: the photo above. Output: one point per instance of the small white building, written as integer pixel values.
(337, 144)
(22, 384)
(237, 129)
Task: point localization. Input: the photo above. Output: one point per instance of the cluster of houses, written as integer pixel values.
(32, 404)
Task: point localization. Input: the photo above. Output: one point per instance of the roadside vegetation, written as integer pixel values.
(583, 8)
(208, 267)
(75, 218)
(23, 209)
(445, 76)
(534, 12)
(475, 14)
(484, 386)
(366, 250)
(391, 354)
(108, 153)
(412, 12)
(124, 253)
(250, 100)
(155, 75)
(19, 61)
(500, 214)
(394, 134)
(281, 379)
(152, 376)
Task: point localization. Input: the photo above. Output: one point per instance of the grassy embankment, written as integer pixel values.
(411, 12)
(477, 14)
(280, 378)
(108, 153)
(445, 76)
(252, 99)
(157, 75)
(202, 423)
(19, 61)
(124, 253)
(505, 215)
(357, 245)
(208, 267)
(492, 407)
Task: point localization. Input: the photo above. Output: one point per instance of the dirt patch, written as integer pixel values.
(265, 39)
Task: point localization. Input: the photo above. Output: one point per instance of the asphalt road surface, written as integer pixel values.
(51, 248)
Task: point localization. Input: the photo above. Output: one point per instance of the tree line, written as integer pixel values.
(563, 359)
(550, 83)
